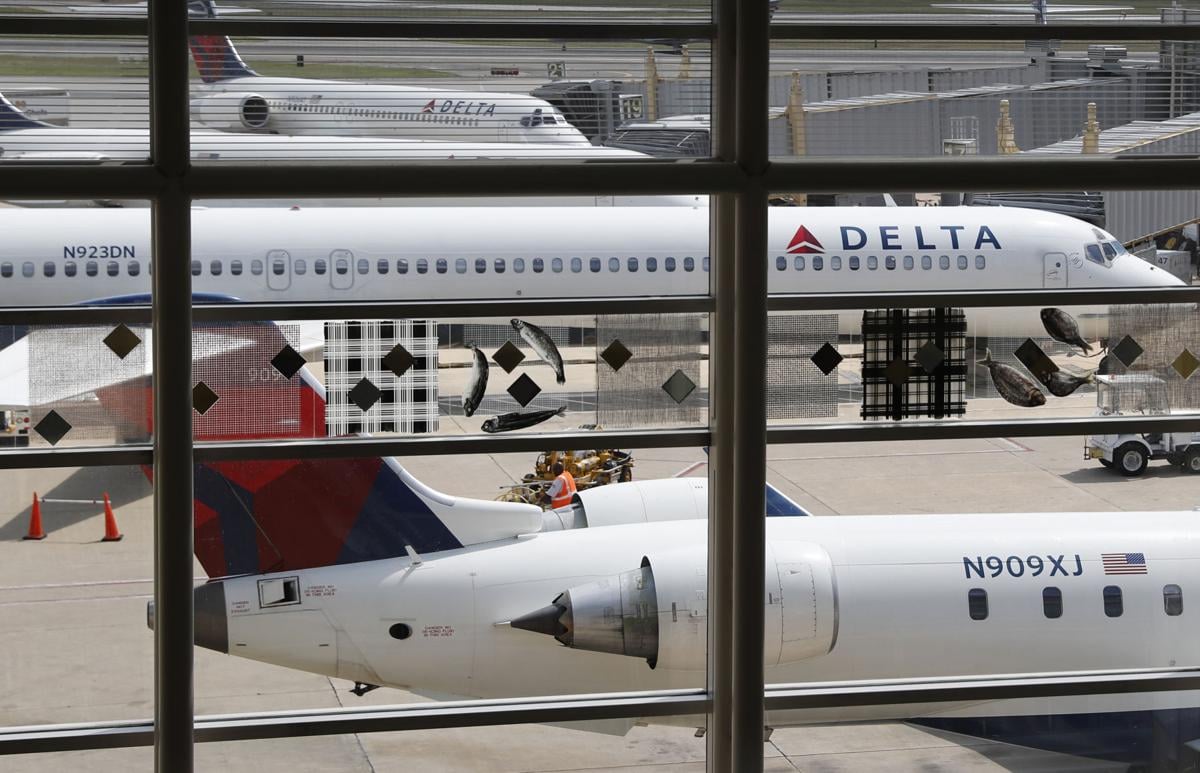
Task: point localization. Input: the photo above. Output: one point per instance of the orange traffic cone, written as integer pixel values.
(35, 521)
(110, 523)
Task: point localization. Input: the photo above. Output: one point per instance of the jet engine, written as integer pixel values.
(643, 501)
(659, 611)
(232, 112)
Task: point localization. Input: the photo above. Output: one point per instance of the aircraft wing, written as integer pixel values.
(55, 156)
(1026, 8)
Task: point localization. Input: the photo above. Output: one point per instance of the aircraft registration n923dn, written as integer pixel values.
(383, 253)
(236, 98)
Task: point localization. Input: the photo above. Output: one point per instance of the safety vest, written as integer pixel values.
(568, 490)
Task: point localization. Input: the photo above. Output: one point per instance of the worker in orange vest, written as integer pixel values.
(563, 487)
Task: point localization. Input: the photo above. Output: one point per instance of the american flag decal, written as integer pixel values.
(1124, 563)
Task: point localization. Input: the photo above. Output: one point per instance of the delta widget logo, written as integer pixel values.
(804, 243)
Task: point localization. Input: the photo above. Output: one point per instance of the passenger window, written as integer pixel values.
(6, 269)
(92, 268)
(196, 268)
(689, 264)
(27, 269)
(499, 265)
(133, 267)
(235, 267)
(538, 265)
(299, 267)
(594, 265)
(835, 263)
(256, 267)
(854, 263)
(401, 266)
(926, 262)
(962, 262)
(614, 265)
(632, 265)
(320, 266)
(441, 266)
(383, 265)
(49, 269)
(518, 265)
(889, 262)
(652, 264)
(977, 603)
(70, 269)
(1052, 602)
(704, 264)
(872, 262)
(214, 268)
(781, 263)
(818, 263)
(980, 262)
(1113, 606)
(669, 264)
(576, 265)
(278, 267)
(1173, 600)
(363, 265)
(114, 268)
(556, 265)
(480, 265)
(341, 266)
(799, 262)
(908, 262)
(944, 262)
(422, 266)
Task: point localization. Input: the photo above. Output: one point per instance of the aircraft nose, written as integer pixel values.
(211, 625)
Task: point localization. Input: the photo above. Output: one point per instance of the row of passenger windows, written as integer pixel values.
(391, 115)
(1052, 602)
(72, 268)
(854, 262)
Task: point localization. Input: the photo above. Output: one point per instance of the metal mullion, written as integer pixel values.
(1008, 173)
(19, 180)
(510, 307)
(74, 25)
(385, 28)
(467, 177)
(957, 32)
(982, 298)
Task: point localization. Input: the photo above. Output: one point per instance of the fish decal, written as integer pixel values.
(477, 383)
(1062, 384)
(1013, 385)
(1062, 327)
(506, 422)
(542, 346)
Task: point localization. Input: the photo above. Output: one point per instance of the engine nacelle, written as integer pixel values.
(643, 501)
(659, 611)
(232, 112)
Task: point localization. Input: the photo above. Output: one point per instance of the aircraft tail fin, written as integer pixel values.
(216, 58)
(11, 117)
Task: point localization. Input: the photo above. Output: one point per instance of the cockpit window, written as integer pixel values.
(1110, 252)
(1094, 253)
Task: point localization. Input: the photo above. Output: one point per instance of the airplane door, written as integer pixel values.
(1054, 269)
(341, 269)
(279, 270)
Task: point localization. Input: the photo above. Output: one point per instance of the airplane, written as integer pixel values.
(1040, 9)
(58, 256)
(236, 98)
(352, 568)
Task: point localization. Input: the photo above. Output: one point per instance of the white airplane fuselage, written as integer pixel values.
(380, 253)
(846, 598)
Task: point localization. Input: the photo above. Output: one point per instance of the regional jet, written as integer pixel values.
(236, 98)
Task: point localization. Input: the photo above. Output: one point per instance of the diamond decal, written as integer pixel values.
(524, 389)
(1032, 357)
(288, 362)
(364, 394)
(508, 357)
(616, 355)
(203, 398)
(52, 427)
(826, 358)
(1127, 351)
(1186, 364)
(897, 371)
(122, 341)
(398, 360)
(679, 386)
(930, 357)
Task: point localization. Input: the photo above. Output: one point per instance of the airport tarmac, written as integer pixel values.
(72, 615)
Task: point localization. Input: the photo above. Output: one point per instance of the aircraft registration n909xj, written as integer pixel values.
(236, 98)
(382, 253)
